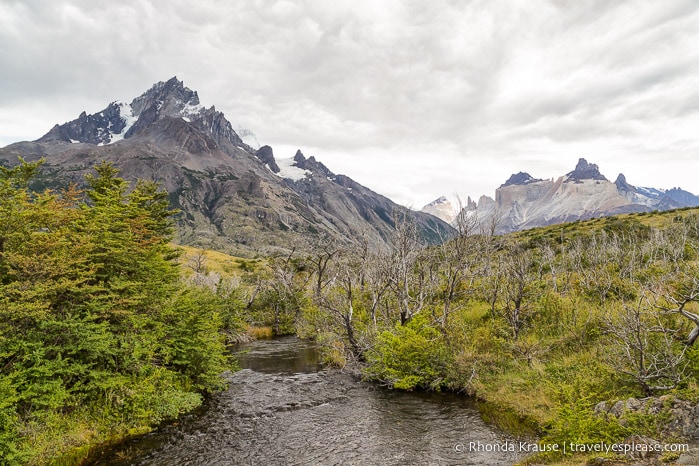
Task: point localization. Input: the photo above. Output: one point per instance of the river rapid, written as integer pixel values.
(284, 408)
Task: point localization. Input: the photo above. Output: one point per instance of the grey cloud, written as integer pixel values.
(489, 80)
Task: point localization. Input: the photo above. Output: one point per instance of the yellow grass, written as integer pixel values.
(214, 261)
(259, 333)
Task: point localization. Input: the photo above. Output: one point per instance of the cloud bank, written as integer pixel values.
(412, 98)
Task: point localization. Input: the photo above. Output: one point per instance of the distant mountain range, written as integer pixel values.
(526, 202)
(233, 195)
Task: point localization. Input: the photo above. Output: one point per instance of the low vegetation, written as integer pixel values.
(543, 325)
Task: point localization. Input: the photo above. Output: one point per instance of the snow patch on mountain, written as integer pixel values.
(289, 170)
(441, 208)
(127, 116)
(189, 110)
(651, 192)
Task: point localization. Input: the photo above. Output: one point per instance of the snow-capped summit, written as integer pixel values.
(584, 171)
(441, 208)
(520, 178)
(284, 168)
(231, 196)
(169, 99)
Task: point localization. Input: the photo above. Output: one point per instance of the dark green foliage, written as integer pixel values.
(93, 315)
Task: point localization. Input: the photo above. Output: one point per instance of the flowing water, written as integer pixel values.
(284, 408)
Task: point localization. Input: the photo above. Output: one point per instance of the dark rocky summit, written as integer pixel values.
(92, 129)
(520, 178)
(585, 171)
(266, 154)
(524, 202)
(622, 184)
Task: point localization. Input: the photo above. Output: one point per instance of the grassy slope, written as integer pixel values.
(568, 375)
(215, 262)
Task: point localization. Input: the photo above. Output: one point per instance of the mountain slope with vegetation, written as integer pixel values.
(104, 335)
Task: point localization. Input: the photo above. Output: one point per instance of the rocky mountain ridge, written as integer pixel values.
(524, 202)
(232, 197)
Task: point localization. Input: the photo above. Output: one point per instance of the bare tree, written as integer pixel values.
(409, 274)
(679, 289)
(456, 263)
(339, 296)
(516, 291)
(677, 299)
(197, 261)
(548, 257)
(646, 350)
(285, 287)
(376, 281)
(529, 349)
(324, 253)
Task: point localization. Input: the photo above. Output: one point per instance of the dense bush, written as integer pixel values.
(410, 356)
(96, 328)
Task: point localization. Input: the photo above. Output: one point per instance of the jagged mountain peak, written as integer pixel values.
(165, 99)
(581, 194)
(622, 184)
(229, 195)
(311, 165)
(98, 129)
(585, 171)
(682, 198)
(296, 168)
(266, 155)
(439, 201)
(171, 98)
(519, 179)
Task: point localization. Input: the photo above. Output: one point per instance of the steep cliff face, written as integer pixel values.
(231, 197)
(525, 202)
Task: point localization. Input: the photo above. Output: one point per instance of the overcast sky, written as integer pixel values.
(413, 98)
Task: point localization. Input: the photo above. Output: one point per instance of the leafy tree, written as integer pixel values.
(92, 310)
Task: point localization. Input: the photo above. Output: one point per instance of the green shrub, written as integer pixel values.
(410, 356)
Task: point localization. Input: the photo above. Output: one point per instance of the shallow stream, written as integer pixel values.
(284, 408)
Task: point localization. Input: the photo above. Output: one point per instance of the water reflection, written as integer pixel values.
(286, 355)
